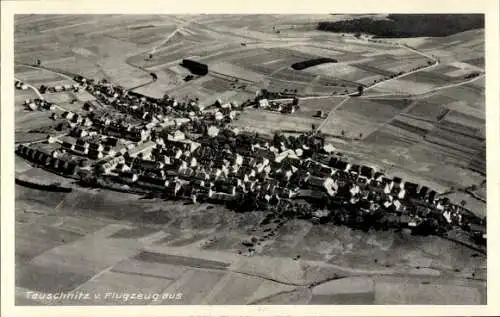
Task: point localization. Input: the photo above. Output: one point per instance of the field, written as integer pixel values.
(134, 252)
(268, 122)
(427, 126)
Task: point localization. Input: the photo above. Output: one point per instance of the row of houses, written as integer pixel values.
(48, 161)
(59, 88)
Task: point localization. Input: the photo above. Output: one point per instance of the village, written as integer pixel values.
(179, 150)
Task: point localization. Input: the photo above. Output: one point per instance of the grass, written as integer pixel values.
(196, 287)
(375, 110)
(34, 239)
(237, 290)
(48, 279)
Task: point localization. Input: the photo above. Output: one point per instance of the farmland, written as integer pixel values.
(416, 118)
(208, 275)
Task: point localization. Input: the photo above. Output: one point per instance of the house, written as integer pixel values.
(388, 185)
(397, 181)
(87, 122)
(111, 141)
(108, 151)
(79, 149)
(128, 177)
(95, 146)
(285, 193)
(402, 193)
(411, 189)
(367, 172)
(323, 171)
(122, 167)
(339, 165)
(224, 186)
(398, 206)
(32, 106)
(422, 194)
(95, 155)
(82, 143)
(355, 169)
(151, 182)
(315, 181)
(331, 186)
(263, 103)
(144, 164)
(56, 153)
(186, 172)
(312, 195)
(475, 228)
(56, 164)
(378, 176)
(432, 196)
(172, 188)
(221, 197)
(72, 169)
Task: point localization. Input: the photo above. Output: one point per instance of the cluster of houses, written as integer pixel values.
(182, 151)
(141, 107)
(20, 85)
(276, 106)
(59, 88)
(39, 104)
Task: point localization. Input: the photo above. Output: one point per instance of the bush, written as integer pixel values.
(312, 62)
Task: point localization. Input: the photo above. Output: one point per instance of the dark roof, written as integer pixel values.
(340, 165)
(477, 228)
(151, 180)
(111, 141)
(311, 194)
(366, 171)
(79, 148)
(411, 187)
(386, 180)
(423, 190)
(432, 194)
(94, 145)
(354, 168)
(93, 154)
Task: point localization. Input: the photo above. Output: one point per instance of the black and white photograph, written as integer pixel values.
(249, 159)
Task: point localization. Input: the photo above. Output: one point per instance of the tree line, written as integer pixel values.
(408, 25)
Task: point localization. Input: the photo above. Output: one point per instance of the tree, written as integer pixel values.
(360, 135)
(360, 90)
(342, 133)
